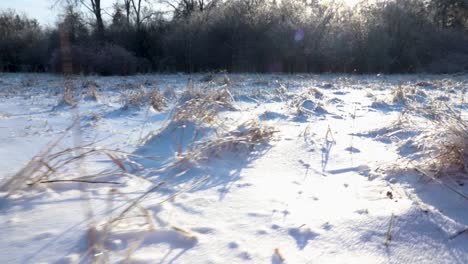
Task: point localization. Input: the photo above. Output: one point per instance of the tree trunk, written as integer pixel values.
(96, 8)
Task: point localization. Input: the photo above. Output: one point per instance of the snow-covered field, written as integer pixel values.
(239, 169)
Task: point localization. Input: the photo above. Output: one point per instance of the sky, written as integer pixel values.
(46, 15)
(40, 9)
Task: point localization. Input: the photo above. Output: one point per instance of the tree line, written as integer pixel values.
(393, 36)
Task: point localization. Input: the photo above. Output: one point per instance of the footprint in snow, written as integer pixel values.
(275, 227)
(270, 115)
(243, 185)
(245, 255)
(327, 226)
(256, 215)
(233, 245)
(352, 150)
(43, 236)
(305, 164)
(223, 190)
(302, 235)
(204, 230)
(340, 93)
(362, 211)
(337, 117)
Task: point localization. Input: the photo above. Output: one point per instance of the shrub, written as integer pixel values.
(105, 60)
(114, 60)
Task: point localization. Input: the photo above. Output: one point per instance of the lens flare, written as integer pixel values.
(299, 35)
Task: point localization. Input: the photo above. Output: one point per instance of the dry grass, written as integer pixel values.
(89, 83)
(227, 81)
(135, 99)
(451, 154)
(150, 83)
(90, 93)
(29, 82)
(58, 165)
(279, 255)
(68, 95)
(309, 102)
(442, 147)
(157, 100)
(207, 78)
(406, 93)
(245, 137)
(261, 82)
(195, 114)
(199, 107)
(4, 115)
(423, 84)
(169, 93)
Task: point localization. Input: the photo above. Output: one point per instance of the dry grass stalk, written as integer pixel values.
(157, 100)
(245, 137)
(308, 102)
(29, 82)
(388, 235)
(135, 98)
(55, 164)
(97, 249)
(133, 204)
(169, 93)
(190, 86)
(207, 78)
(226, 80)
(399, 94)
(19, 180)
(202, 108)
(141, 97)
(453, 153)
(91, 91)
(185, 233)
(136, 203)
(445, 143)
(405, 94)
(89, 83)
(315, 92)
(54, 167)
(68, 94)
(279, 255)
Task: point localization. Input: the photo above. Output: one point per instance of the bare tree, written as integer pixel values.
(141, 11)
(450, 13)
(127, 6)
(95, 7)
(137, 10)
(184, 8)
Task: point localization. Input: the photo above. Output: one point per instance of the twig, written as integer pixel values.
(279, 255)
(440, 182)
(459, 233)
(136, 201)
(83, 181)
(388, 236)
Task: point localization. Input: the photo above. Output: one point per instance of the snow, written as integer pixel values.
(333, 185)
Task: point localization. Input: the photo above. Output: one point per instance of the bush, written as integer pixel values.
(391, 36)
(22, 43)
(114, 60)
(104, 60)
